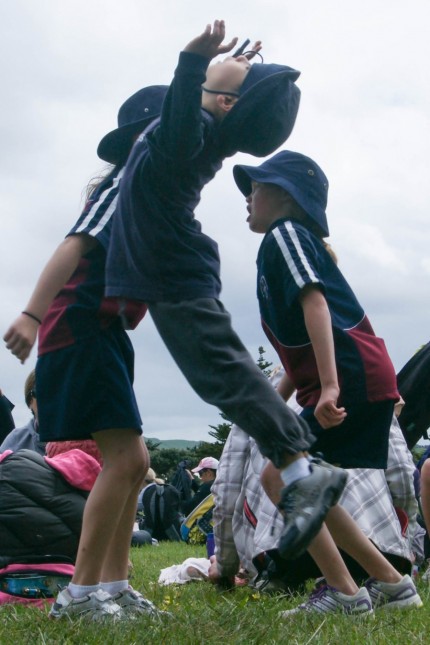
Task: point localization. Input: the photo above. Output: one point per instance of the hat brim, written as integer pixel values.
(245, 175)
(116, 145)
(263, 117)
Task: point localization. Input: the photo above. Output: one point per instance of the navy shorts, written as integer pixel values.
(87, 387)
(361, 441)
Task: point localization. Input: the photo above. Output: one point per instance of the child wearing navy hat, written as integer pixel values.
(341, 371)
(158, 253)
(84, 375)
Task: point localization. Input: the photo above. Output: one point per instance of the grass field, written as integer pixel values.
(201, 614)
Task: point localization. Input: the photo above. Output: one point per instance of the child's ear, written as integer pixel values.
(225, 102)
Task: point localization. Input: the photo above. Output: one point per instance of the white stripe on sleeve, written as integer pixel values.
(294, 269)
(109, 211)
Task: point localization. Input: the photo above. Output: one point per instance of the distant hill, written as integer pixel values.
(174, 443)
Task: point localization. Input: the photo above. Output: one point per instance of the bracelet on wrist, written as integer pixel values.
(30, 315)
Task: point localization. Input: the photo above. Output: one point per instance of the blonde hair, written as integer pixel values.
(328, 247)
(296, 212)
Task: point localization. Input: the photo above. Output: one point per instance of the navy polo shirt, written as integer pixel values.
(80, 309)
(291, 257)
(158, 251)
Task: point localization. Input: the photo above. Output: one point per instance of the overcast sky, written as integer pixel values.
(67, 66)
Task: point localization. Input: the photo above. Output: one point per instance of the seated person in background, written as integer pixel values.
(160, 504)
(247, 525)
(53, 448)
(207, 470)
(28, 436)
(6, 419)
(42, 501)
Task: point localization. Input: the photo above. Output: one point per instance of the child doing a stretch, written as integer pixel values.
(159, 255)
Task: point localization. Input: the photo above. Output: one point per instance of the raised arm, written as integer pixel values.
(180, 133)
(21, 335)
(209, 43)
(318, 325)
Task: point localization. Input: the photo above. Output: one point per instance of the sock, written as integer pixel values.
(299, 469)
(114, 587)
(79, 591)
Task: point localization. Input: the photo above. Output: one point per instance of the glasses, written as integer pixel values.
(249, 53)
(249, 56)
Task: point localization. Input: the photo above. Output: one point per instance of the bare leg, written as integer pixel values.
(116, 564)
(349, 537)
(326, 555)
(322, 549)
(107, 516)
(272, 482)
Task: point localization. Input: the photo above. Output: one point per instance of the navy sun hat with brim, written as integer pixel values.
(299, 175)
(264, 116)
(133, 117)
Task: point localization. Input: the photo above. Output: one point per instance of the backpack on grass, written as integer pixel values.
(162, 517)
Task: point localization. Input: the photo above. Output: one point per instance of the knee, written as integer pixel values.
(129, 464)
(138, 465)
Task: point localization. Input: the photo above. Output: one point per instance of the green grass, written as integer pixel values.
(201, 614)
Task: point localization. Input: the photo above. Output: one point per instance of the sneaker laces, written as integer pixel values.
(319, 591)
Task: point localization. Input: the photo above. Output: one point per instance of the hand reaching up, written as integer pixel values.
(209, 43)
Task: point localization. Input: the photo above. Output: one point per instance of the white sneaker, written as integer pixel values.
(97, 605)
(394, 595)
(325, 599)
(132, 602)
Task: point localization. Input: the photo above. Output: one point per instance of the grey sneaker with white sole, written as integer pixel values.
(97, 605)
(305, 503)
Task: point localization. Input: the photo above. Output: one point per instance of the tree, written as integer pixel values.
(165, 461)
(152, 444)
(262, 363)
(205, 449)
(221, 431)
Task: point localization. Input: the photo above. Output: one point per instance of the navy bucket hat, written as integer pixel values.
(133, 117)
(299, 175)
(264, 116)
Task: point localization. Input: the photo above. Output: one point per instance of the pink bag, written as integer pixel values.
(33, 584)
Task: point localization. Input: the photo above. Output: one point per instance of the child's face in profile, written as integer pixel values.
(266, 204)
(227, 75)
